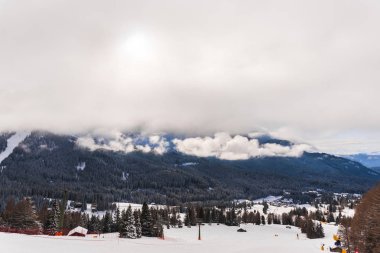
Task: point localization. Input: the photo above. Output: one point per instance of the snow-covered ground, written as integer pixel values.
(124, 206)
(215, 238)
(267, 199)
(275, 208)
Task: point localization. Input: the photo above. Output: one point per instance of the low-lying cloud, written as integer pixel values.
(126, 144)
(225, 146)
(221, 145)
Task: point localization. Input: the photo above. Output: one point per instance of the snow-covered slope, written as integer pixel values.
(264, 239)
(12, 143)
(267, 199)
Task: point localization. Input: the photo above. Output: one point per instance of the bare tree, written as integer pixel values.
(365, 230)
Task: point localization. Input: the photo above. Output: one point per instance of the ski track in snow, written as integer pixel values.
(12, 143)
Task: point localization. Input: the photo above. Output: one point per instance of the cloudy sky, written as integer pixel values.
(302, 70)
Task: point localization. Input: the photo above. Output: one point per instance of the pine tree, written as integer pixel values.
(180, 225)
(270, 218)
(313, 231)
(244, 217)
(331, 218)
(137, 224)
(298, 221)
(84, 206)
(117, 221)
(25, 216)
(310, 231)
(130, 224)
(265, 208)
(123, 224)
(262, 219)
(158, 230)
(146, 221)
(173, 218)
(207, 218)
(214, 215)
(231, 218)
(43, 213)
(62, 209)
(200, 214)
(93, 224)
(192, 216)
(52, 223)
(257, 218)
(107, 223)
(319, 231)
(187, 219)
(337, 220)
(84, 220)
(9, 209)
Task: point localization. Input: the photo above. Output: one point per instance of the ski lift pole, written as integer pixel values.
(199, 229)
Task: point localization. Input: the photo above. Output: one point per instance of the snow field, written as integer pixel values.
(215, 238)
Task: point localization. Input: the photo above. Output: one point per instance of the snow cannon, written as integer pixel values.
(336, 237)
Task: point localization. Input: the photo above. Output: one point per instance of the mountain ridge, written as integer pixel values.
(370, 160)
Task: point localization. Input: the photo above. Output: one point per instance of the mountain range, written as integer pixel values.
(371, 160)
(163, 170)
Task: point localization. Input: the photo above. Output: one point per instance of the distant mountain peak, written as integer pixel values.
(370, 160)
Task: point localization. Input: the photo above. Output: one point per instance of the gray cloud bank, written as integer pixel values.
(297, 68)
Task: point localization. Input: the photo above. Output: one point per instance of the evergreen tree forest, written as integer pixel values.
(22, 217)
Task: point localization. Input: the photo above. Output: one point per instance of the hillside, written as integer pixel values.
(46, 164)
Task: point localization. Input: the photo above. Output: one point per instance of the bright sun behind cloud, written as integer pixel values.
(138, 47)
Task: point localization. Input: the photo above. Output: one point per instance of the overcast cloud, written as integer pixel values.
(304, 70)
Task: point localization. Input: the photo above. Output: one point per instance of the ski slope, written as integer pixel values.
(12, 143)
(215, 238)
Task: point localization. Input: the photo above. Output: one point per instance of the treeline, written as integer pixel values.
(53, 217)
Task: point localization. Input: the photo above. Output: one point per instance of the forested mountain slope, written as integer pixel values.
(46, 164)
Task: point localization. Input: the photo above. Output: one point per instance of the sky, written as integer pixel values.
(306, 71)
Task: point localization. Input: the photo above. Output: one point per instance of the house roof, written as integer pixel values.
(79, 229)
